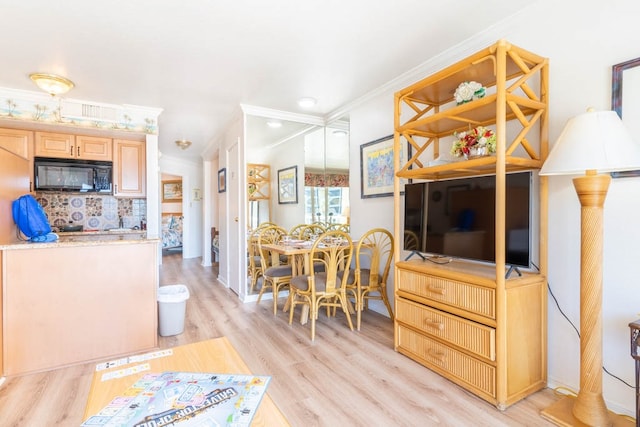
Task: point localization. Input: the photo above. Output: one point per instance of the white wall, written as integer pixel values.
(191, 174)
(582, 40)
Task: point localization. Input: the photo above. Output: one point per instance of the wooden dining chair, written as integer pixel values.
(368, 280)
(411, 240)
(316, 289)
(275, 275)
(253, 256)
(295, 230)
(339, 227)
(310, 230)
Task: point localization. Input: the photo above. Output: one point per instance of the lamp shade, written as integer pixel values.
(595, 140)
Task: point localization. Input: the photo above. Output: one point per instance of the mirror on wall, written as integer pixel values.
(320, 155)
(326, 189)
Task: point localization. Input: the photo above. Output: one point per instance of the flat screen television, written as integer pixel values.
(456, 218)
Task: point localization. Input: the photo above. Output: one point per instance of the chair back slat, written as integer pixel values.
(375, 251)
(269, 235)
(311, 230)
(334, 250)
(295, 230)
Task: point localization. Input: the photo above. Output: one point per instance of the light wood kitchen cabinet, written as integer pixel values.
(68, 146)
(19, 142)
(471, 322)
(56, 315)
(94, 148)
(129, 168)
(14, 182)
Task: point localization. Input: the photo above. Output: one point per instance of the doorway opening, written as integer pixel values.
(172, 217)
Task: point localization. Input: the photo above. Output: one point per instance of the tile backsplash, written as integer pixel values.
(93, 212)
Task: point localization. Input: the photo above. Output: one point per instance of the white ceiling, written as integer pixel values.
(200, 59)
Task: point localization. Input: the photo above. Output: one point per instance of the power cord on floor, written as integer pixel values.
(578, 333)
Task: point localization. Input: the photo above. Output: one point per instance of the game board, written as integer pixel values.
(185, 399)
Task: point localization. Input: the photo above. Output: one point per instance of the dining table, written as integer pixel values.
(299, 253)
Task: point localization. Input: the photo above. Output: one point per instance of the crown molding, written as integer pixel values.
(282, 115)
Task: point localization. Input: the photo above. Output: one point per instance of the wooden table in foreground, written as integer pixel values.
(215, 355)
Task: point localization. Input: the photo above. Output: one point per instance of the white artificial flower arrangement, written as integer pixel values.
(468, 91)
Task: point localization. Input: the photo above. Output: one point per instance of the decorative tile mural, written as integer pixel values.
(93, 212)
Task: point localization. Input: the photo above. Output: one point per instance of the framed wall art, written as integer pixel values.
(627, 72)
(172, 191)
(222, 180)
(288, 185)
(376, 167)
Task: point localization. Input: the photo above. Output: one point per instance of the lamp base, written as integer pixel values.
(561, 414)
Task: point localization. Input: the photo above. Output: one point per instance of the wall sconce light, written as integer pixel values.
(183, 143)
(51, 83)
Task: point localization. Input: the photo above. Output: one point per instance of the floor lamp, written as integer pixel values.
(591, 143)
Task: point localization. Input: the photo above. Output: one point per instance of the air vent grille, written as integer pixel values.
(90, 111)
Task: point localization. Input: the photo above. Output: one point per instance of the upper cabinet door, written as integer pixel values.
(129, 168)
(66, 146)
(59, 145)
(18, 142)
(94, 148)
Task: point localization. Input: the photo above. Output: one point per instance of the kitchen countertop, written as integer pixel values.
(113, 231)
(86, 238)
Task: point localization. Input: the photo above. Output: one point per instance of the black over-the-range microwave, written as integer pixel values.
(72, 175)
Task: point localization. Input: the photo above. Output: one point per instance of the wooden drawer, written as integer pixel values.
(459, 367)
(471, 336)
(466, 296)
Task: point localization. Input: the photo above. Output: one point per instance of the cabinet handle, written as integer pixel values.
(71, 152)
(439, 356)
(436, 290)
(78, 151)
(434, 324)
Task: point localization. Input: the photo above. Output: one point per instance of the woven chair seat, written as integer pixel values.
(279, 271)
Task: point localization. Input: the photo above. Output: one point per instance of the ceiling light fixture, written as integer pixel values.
(51, 83)
(274, 124)
(307, 102)
(340, 133)
(183, 143)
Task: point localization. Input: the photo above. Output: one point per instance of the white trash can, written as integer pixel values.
(172, 306)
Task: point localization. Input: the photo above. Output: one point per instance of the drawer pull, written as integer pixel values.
(440, 357)
(434, 324)
(436, 290)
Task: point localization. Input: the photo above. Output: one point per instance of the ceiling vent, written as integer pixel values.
(89, 112)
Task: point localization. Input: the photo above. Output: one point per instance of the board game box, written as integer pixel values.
(185, 399)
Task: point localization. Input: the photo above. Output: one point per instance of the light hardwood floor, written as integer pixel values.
(343, 378)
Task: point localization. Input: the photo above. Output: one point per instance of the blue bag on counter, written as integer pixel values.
(31, 219)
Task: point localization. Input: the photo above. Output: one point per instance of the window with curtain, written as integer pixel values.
(326, 197)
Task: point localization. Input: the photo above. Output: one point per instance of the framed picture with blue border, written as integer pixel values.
(222, 180)
(288, 185)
